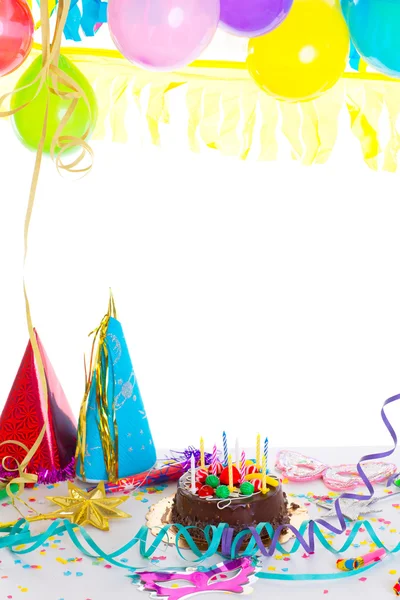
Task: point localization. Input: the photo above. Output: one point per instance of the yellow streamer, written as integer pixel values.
(226, 110)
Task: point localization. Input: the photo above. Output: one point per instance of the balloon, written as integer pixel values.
(375, 30)
(162, 34)
(305, 55)
(253, 17)
(28, 122)
(16, 34)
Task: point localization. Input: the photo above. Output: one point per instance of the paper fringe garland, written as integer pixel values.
(227, 112)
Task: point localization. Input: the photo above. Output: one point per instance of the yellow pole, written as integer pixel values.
(230, 473)
(264, 474)
(202, 461)
(258, 452)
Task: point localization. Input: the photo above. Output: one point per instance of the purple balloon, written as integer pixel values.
(162, 34)
(251, 18)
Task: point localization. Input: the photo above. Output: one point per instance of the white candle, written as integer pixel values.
(237, 455)
(193, 474)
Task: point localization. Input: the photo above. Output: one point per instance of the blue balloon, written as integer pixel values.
(375, 31)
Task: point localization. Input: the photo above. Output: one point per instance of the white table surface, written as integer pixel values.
(58, 571)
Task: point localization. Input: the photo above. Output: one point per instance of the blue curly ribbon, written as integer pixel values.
(222, 536)
(20, 535)
(84, 15)
(93, 12)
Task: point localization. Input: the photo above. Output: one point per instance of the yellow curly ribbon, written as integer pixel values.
(49, 71)
(23, 478)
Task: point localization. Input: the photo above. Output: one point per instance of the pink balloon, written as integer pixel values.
(162, 34)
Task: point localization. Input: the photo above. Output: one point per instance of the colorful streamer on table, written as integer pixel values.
(223, 537)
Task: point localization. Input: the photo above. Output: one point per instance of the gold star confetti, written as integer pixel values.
(89, 508)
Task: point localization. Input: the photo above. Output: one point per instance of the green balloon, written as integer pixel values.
(28, 122)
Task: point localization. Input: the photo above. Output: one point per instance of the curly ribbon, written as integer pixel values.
(52, 77)
(19, 535)
(222, 537)
(23, 477)
(98, 371)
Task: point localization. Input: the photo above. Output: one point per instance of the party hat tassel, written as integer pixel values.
(114, 438)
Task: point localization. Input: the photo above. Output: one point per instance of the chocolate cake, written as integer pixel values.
(240, 511)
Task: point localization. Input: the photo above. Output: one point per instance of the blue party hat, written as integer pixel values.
(114, 438)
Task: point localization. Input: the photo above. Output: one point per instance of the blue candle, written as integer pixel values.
(266, 452)
(225, 444)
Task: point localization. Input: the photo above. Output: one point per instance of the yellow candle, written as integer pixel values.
(264, 474)
(258, 451)
(230, 473)
(202, 462)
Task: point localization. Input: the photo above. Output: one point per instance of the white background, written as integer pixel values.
(254, 296)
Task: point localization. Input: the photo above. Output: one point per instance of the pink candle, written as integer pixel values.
(243, 467)
(214, 460)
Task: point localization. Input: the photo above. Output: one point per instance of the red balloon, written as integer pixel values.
(16, 34)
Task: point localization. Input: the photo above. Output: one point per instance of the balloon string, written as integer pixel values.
(49, 72)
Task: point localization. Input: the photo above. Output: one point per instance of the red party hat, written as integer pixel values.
(25, 413)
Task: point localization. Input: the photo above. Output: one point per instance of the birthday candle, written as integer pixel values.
(193, 474)
(264, 475)
(214, 460)
(258, 451)
(202, 463)
(225, 444)
(243, 468)
(237, 455)
(230, 469)
(266, 452)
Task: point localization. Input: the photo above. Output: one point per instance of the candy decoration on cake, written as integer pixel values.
(224, 477)
(257, 483)
(222, 491)
(206, 491)
(23, 417)
(216, 468)
(247, 489)
(213, 481)
(114, 438)
(250, 469)
(201, 475)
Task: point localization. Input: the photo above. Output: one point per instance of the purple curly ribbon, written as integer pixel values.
(47, 476)
(185, 456)
(309, 546)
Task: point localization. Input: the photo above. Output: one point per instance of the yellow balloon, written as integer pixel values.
(305, 55)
